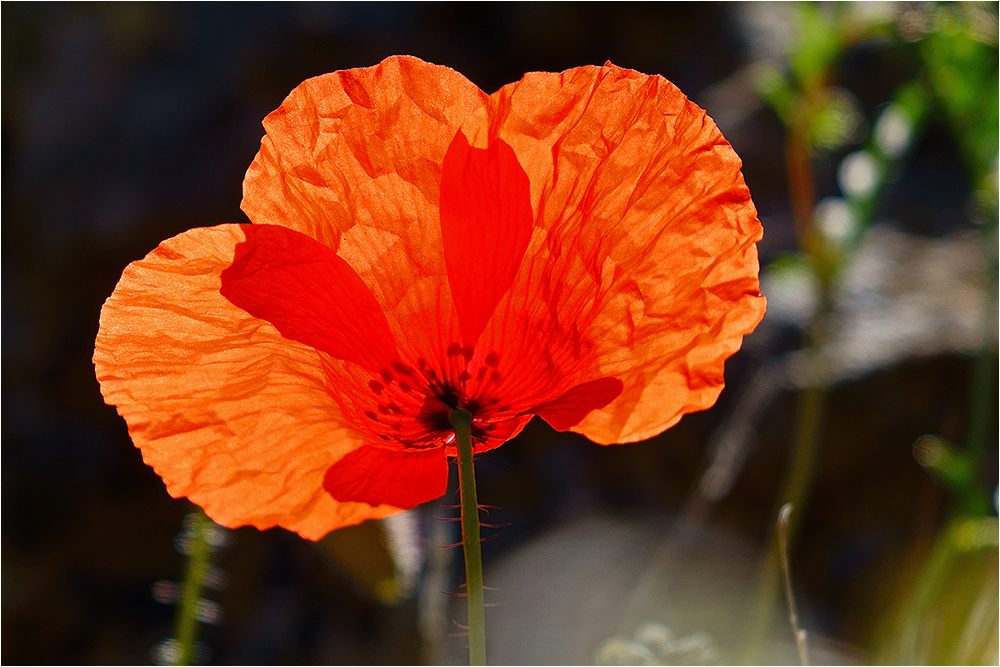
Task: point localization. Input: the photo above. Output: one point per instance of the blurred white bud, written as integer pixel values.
(208, 611)
(859, 175)
(184, 543)
(215, 535)
(657, 637)
(893, 131)
(930, 451)
(793, 293)
(834, 219)
(621, 651)
(167, 652)
(166, 592)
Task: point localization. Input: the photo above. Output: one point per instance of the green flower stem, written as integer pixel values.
(461, 421)
(186, 617)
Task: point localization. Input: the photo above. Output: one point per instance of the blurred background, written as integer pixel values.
(867, 397)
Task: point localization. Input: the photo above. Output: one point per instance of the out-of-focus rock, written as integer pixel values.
(611, 590)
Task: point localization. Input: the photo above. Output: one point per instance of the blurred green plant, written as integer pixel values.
(198, 540)
(950, 613)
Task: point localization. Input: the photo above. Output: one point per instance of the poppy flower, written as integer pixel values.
(578, 246)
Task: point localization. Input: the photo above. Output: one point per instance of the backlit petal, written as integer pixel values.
(570, 408)
(230, 413)
(354, 159)
(485, 227)
(374, 475)
(647, 267)
(309, 294)
(358, 153)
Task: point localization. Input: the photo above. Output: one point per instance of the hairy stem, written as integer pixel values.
(186, 618)
(461, 421)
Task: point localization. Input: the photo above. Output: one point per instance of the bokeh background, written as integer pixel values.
(867, 398)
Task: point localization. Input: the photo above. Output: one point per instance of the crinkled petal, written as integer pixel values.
(643, 264)
(227, 411)
(309, 294)
(375, 475)
(354, 159)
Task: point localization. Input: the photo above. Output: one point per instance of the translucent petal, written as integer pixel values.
(485, 228)
(375, 475)
(309, 294)
(227, 411)
(360, 152)
(643, 264)
(354, 159)
(570, 408)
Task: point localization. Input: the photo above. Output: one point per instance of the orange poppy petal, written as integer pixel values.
(227, 411)
(648, 270)
(362, 149)
(309, 294)
(374, 475)
(485, 228)
(354, 160)
(570, 408)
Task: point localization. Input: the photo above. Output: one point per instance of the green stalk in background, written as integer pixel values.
(199, 549)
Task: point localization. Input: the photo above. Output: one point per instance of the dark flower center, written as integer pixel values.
(412, 404)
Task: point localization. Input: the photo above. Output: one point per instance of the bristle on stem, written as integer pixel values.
(461, 421)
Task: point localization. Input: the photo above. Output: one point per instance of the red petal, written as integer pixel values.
(385, 477)
(309, 294)
(569, 409)
(485, 227)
